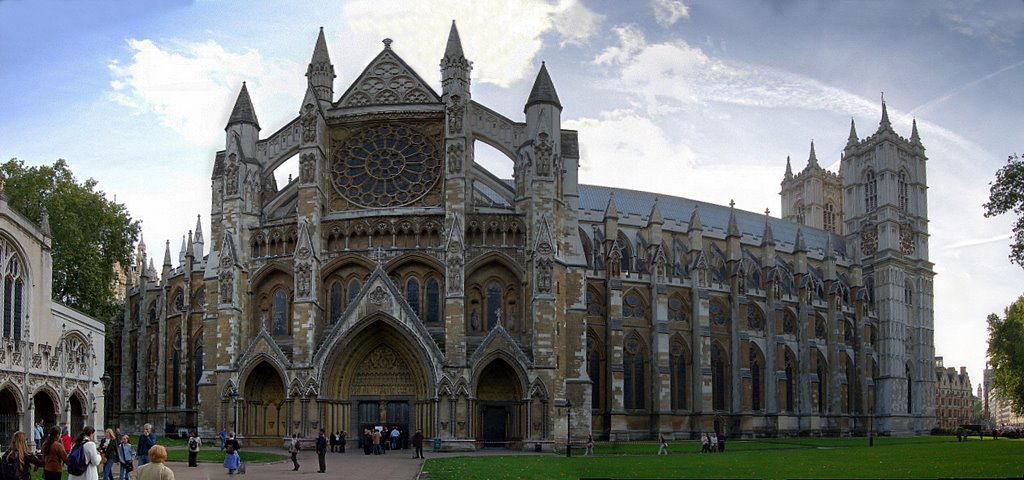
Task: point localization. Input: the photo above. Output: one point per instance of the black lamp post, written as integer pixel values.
(568, 428)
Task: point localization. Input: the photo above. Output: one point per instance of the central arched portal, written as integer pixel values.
(500, 409)
(379, 378)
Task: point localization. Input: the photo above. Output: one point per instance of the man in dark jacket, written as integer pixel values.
(321, 450)
(417, 443)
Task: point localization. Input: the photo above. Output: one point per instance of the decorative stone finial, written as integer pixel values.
(387, 43)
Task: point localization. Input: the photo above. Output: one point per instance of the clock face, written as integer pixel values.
(386, 166)
(869, 241)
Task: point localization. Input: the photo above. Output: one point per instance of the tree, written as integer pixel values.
(1006, 193)
(91, 237)
(1006, 354)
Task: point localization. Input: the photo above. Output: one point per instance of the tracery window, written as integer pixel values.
(755, 379)
(677, 375)
(718, 380)
(801, 214)
(13, 290)
(412, 295)
(493, 304)
(353, 290)
(678, 310)
(594, 363)
(870, 191)
(790, 382)
(386, 166)
(788, 322)
(433, 300)
(829, 217)
(821, 389)
(198, 371)
(755, 319)
(904, 191)
(634, 366)
(179, 302)
(280, 314)
(718, 313)
(634, 306)
(595, 307)
(819, 328)
(176, 373)
(335, 302)
(908, 294)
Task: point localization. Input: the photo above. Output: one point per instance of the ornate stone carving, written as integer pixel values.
(544, 276)
(227, 287)
(386, 166)
(231, 176)
(544, 149)
(303, 280)
(454, 269)
(307, 168)
(378, 296)
(455, 156)
(383, 372)
(907, 246)
(455, 109)
(309, 123)
(386, 82)
(869, 240)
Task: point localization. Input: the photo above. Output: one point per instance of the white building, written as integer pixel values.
(51, 356)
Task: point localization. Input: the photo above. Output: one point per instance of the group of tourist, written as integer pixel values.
(712, 443)
(83, 457)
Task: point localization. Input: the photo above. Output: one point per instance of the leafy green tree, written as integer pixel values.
(92, 237)
(1006, 354)
(1006, 193)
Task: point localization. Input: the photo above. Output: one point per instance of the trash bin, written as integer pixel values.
(536, 447)
(437, 444)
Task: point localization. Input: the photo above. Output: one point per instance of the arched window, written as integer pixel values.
(13, 291)
(718, 377)
(870, 191)
(904, 191)
(678, 310)
(595, 304)
(910, 392)
(634, 366)
(850, 386)
(677, 375)
(829, 217)
(755, 380)
(353, 290)
(433, 300)
(176, 373)
(493, 304)
(790, 382)
(633, 306)
(801, 213)
(755, 319)
(335, 302)
(788, 322)
(280, 313)
(198, 371)
(821, 388)
(152, 314)
(908, 294)
(594, 362)
(412, 295)
(718, 312)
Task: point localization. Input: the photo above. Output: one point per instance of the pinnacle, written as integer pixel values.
(611, 211)
(884, 124)
(243, 112)
(789, 169)
(543, 89)
(812, 159)
(320, 54)
(914, 136)
(453, 50)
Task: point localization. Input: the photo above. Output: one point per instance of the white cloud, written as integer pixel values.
(668, 12)
(631, 42)
(191, 87)
(501, 53)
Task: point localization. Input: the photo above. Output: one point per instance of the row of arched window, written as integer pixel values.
(871, 191)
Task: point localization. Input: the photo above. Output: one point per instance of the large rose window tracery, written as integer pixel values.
(386, 166)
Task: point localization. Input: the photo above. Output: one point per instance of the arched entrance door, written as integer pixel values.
(8, 416)
(499, 396)
(263, 412)
(45, 409)
(77, 415)
(378, 379)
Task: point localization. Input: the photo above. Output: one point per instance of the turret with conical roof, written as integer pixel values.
(243, 111)
(812, 158)
(197, 239)
(852, 139)
(915, 138)
(789, 169)
(543, 90)
(884, 124)
(320, 71)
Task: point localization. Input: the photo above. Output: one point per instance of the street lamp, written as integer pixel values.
(568, 428)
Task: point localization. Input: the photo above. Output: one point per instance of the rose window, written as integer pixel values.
(386, 166)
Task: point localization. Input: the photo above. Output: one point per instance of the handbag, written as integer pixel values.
(128, 466)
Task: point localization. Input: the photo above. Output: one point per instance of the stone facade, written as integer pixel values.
(51, 356)
(954, 400)
(396, 281)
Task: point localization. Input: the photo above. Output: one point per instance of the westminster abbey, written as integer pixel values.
(397, 282)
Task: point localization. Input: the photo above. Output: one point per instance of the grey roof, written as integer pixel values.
(635, 203)
(243, 112)
(543, 89)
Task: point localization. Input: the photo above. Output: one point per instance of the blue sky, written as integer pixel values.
(701, 99)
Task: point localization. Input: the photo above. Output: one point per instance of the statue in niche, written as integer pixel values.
(455, 109)
(474, 320)
(455, 157)
(307, 168)
(309, 124)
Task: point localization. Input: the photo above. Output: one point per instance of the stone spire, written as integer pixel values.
(543, 89)
(852, 139)
(190, 247)
(167, 254)
(767, 238)
(320, 71)
(812, 158)
(695, 219)
(243, 112)
(197, 238)
(733, 230)
(453, 49)
(884, 124)
(915, 138)
(181, 253)
(789, 169)
(655, 217)
(611, 211)
(799, 245)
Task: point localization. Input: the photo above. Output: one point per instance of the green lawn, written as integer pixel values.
(918, 457)
(217, 456)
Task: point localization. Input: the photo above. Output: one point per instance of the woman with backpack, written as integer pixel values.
(84, 460)
(232, 461)
(16, 462)
(126, 457)
(108, 447)
(54, 455)
(194, 442)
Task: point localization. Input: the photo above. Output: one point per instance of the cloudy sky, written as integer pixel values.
(701, 99)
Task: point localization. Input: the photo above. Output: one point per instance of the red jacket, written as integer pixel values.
(66, 440)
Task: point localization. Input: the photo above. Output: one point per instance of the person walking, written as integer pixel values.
(65, 438)
(108, 448)
(156, 470)
(375, 436)
(721, 443)
(146, 442)
(705, 443)
(126, 457)
(92, 457)
(395, 433)
(590, 446)
(663, 450)
(223, 438)
(18, 459)
(54, 455)
(342, 438)
(321, 450)
(293, 449)
(232, 461)
(714, 443)
(417, 443)
(194, 442)
(38, 434)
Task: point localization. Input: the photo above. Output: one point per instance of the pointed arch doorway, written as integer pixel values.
(499, 405)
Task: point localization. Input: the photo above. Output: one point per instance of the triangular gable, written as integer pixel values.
(388, 80)
(263, 345)
(498, 340)
(379, 295)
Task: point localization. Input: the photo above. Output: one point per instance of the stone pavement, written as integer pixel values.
(353, 464)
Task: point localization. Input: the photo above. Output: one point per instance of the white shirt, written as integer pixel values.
(89, 449)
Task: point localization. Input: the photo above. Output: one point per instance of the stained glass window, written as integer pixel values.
(386, 166)
(280, 313)
(433, 300)
(335, 302)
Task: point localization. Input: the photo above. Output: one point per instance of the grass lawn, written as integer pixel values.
(217, 456)
(918, 457)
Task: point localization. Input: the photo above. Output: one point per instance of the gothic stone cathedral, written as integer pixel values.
(397, 282)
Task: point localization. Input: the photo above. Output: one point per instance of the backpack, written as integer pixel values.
(77, 463)
(193, 443)
(10, 466)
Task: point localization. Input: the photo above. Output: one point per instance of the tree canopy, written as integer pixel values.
(1006, 193)
(1006, 354)
(92, 237)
